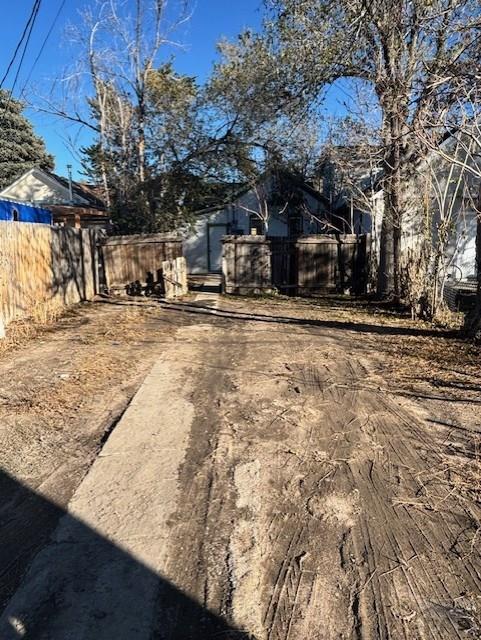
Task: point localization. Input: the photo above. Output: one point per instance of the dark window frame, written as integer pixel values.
(256, 223)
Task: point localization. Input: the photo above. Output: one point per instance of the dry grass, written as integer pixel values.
(453, 483)
(79, 378)
(39, 315)
(409, 352)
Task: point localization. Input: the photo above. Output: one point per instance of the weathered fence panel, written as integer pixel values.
(137, 259)
(174, 277)
(329, 264)
(304, 266)
(246, 264)
(41, 264)
(284, 261)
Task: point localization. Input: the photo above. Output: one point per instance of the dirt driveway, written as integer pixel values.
(315, 497)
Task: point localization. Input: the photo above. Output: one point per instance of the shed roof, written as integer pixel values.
(288, 176)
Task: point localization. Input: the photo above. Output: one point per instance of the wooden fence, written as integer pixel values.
(135, 262)
(174, 278)
(305, 266)
(41, 265)
(332, 263)
(246, 264)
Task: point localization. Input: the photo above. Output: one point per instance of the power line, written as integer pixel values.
(32, 24)
(32, 20)
(44, 43)
(33, 13)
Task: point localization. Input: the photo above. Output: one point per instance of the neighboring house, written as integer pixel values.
(278, 205)
(20, 212)
(72, 204)
(447, 195)
(350, 195)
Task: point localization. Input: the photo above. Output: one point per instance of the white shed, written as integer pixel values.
(279, 206)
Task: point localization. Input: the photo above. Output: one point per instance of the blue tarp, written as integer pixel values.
(10, 210)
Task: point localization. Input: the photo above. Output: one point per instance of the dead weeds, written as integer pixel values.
(408, 352)
(77, 378)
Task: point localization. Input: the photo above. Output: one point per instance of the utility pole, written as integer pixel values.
(70, 190)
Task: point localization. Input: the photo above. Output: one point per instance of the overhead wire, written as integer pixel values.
(31, 18)
(44, 43)
(29, 29)
(27, 41)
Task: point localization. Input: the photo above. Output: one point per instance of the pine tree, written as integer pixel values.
(20, 148)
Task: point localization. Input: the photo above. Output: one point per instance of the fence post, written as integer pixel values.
(167, 276)
(181, 275)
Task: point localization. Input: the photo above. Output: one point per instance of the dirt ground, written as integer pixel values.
(61, 392)
(330, 487)
(331, 496)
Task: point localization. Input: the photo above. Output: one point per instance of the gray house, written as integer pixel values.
(279, 204)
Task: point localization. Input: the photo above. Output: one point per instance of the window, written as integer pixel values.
(295, 225)
(256, 223)
(15, 215)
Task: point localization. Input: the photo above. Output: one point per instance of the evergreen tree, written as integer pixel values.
(20, 148)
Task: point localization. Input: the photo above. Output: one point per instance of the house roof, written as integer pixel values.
(83, 191)
(287, 175)
(308, 188)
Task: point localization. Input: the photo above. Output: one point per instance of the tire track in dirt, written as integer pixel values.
(305, 504)
(310, 505)
(317, 526)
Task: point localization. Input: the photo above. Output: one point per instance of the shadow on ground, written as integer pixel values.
(81, 585)
(229, 314)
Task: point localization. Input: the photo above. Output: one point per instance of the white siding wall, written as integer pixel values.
(463, 247)
(31, 188)
(196, 245)
(195, 240)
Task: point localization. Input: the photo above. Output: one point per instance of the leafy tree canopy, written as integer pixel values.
(417, 57)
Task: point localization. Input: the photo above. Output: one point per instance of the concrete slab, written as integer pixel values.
(102, 572)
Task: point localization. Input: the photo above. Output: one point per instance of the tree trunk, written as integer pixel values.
(386, 255)
(390, 248)
(141, 140)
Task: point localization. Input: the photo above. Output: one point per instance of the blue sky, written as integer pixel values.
(211, 21)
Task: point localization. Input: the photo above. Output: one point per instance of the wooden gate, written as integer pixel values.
(332, 263)
(284, 265)
(305, 266)
(135, 261)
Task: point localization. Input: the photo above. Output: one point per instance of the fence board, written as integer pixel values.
(137, 258)
(307, 265)
(41, 264)
(246, 264)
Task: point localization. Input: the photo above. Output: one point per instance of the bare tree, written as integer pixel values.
(410, 54)
(120, 46)
(460, 154)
